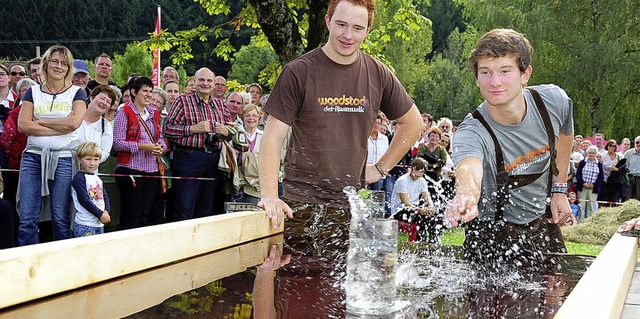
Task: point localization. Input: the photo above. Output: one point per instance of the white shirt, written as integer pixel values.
(376, 148)
(406, 185)
(93, 132)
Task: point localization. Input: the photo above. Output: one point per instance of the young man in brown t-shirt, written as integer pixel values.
(330, 98)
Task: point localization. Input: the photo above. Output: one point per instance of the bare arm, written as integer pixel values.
(464, 206)
(559, 203)
(66, 125)
(264, 285)
(409, 126)
(27, 125)
(269, 164)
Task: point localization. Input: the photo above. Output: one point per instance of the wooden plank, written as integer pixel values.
(32, 272)
(123, 297)
(601, 291)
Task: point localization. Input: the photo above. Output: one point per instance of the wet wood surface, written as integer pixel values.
(37, 271)
(602, 290)
(122, 297)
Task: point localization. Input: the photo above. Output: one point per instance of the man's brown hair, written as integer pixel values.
(502, 42)
(369, 4)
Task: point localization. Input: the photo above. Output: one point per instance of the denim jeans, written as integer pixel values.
(31, 199)
(82, 230)
(389, 183)
(195, 198)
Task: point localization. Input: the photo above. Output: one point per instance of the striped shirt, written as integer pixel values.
(190, 109)
(142, 161)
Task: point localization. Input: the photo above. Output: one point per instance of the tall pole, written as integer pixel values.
(155, 77)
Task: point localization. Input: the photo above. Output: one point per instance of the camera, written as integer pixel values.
(212, 142)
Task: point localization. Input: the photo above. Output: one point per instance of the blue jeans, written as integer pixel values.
(31, 200)
(389, 183)
(194, 198)
(82, 230)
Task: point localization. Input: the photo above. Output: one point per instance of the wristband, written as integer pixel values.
(557, 189)
(382, 173)
(565, 185)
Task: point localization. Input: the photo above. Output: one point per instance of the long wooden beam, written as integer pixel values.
(131, 294)
(601, 291)
(32, 272)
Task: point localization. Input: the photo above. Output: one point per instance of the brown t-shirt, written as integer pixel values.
(331, 109)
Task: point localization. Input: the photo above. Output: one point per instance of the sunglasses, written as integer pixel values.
(14, 73)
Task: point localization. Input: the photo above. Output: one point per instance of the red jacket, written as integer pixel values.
(133, 130)
(13, 142)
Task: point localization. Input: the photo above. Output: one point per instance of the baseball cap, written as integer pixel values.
(80, 66)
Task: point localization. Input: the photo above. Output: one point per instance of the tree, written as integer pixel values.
(249, 61)
(590, 48)
(286, 27)
(135, 59)
(448, 88)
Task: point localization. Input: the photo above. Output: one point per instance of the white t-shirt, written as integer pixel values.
(53, 106)
(406, 185)
(93, 132)
(376, 148)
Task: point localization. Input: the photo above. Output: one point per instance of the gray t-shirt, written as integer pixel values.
(525, 149)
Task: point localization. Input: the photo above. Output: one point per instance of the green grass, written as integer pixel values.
(455, 237)
(583, 249)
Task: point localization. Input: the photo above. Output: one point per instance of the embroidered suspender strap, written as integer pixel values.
(504, 180)
(503, 176)
(542, 109)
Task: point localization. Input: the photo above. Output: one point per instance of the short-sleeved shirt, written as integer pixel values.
(525, 148)
(331, 109)
(406, 185)
(53, 106)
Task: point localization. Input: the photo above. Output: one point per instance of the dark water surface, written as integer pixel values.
(435, 281)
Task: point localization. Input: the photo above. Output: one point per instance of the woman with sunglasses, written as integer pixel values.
(613, 176)
(51, 113)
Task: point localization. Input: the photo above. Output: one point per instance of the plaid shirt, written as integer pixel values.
(190, 109)
(142, 161)
(590, 171)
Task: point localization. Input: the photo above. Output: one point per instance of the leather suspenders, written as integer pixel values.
(505, 181)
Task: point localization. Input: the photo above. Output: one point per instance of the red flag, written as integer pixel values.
(155, 77)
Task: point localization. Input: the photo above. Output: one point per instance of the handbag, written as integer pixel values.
(162, 167)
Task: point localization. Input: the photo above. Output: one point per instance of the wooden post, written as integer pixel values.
(32, 272)
(601, 291)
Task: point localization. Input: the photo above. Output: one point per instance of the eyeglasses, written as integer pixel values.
(14, 73)
(637, 142)
(611, 145)
(58, 62)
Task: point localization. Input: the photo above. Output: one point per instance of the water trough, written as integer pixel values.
(119, 274)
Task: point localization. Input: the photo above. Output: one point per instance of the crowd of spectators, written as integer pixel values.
(204, 138)
(208, 140)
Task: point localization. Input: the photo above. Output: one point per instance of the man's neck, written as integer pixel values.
(333, 56)
(102, 80)
(205, 97)
(509, 114)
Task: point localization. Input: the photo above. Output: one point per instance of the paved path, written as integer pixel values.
(631, 309)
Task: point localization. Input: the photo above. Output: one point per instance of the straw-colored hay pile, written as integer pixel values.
(599, 228)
